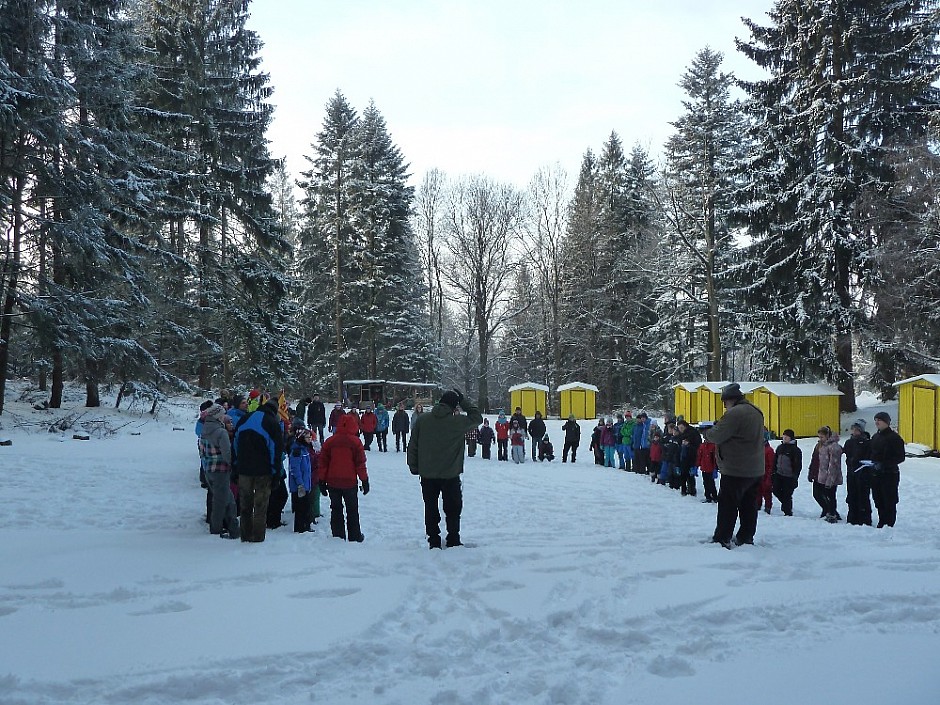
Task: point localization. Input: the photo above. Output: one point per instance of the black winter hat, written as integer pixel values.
(451, 399)
(731, 391)
(883, 416)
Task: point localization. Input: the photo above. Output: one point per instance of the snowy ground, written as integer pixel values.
(582, 586)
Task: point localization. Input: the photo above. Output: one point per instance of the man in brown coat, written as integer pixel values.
(739, 437)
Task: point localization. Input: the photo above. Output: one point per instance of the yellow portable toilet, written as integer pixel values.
(919, 410)
(707, 401)
(686, 400)
(579, 399)
(804, 408)
(530, 396)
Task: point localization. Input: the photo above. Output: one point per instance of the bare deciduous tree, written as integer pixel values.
(483, 224)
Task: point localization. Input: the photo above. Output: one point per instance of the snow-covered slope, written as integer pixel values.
(581, 585)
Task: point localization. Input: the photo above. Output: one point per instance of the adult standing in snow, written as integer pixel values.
(334, 417)
(536, 433)
(435, 453)
(259, 450)
(857, 476)
(640, 443)
(887, 452)
(400, 427)
(739, 440)
(215, 451)
(572, 439)
(316, 415)
(381, 427)
(520, 417)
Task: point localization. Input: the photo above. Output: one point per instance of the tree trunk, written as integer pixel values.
(482, 380)
(204, 373)
(92, 399)
(11, 285)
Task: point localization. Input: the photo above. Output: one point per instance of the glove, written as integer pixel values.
(301, 492)
(459, 397)
(365, 487)
(323, 489)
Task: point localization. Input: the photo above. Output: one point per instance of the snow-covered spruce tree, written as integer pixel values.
(581, 287)
(208, 82)
(31, 96)
(95, 194)
(482, 225)
(329, 243)
(697, 191)
(903, 333)
(850, 82)
(390, 293)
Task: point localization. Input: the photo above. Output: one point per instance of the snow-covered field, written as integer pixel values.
(581, 585)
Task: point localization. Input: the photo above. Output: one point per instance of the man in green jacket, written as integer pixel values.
(739, 437)
(435, 452)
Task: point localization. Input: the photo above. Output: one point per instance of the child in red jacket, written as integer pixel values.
(767, 484)
(342, 464)
(656, 452)
(708, 463)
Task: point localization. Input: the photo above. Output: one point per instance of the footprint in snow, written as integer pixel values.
(320, 594)
(164, 608)
(671, 667)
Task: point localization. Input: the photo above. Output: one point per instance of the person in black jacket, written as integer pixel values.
(672, 451)
(857, 476)
(536, 433)
(523, 422)
(401, 425)
(690, 439)
(788, 463)
(887, 452)
(316, 416)
(486, 437)
(572, 439)
(259, 451)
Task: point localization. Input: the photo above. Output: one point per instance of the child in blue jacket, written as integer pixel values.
(300, 478)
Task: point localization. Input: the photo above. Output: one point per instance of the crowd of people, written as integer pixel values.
(244, 441)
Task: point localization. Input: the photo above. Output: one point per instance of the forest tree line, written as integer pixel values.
(787, 231)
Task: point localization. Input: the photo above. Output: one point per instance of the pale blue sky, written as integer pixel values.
(500, 88)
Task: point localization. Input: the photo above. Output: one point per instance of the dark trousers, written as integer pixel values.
(573, 447)
(301, 508)
(224, 512)
(708, 486)
(350, 526)
(737, 497)
(598, 455)
(641, 460)
(401, 440)
(826, 498)
(319, 429)
(382, 438)
(471, 448)
(276, 502)
(858, 496)
(884, 490)
(783, 488)
(687, 481)
(450, 491)
(367, 440)
(485, 451)
(253, 495)
(502, 449)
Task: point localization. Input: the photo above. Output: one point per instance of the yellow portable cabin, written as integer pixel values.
(919, 410)
(530, 396)
(804, 408)
(687, 400)
(579, 399)
(708, 406)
